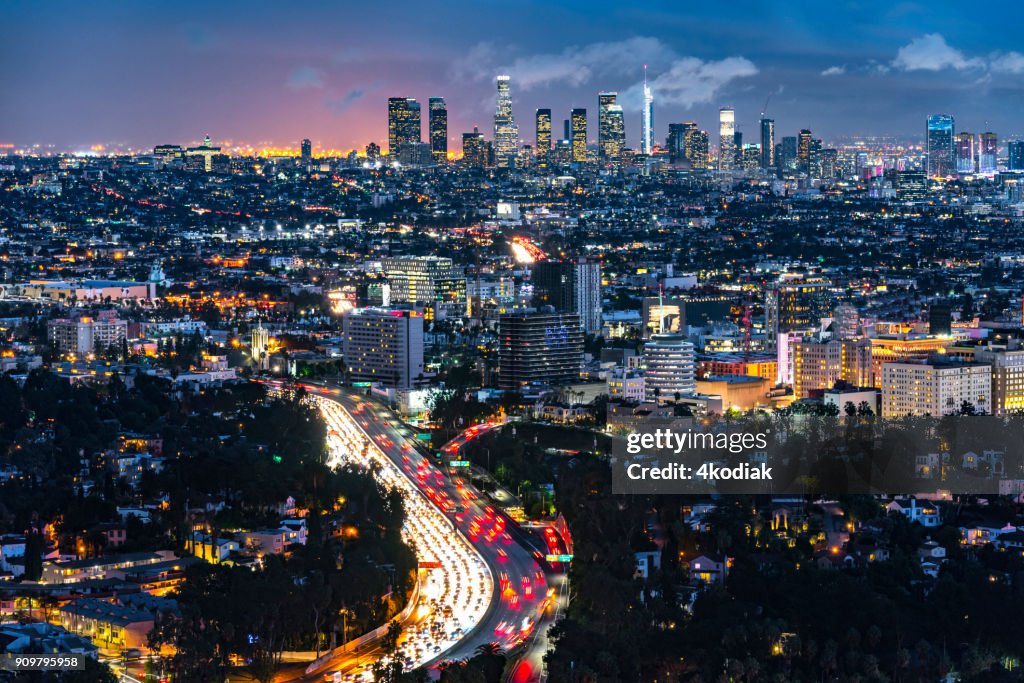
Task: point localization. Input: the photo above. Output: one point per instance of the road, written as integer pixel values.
(499, 588)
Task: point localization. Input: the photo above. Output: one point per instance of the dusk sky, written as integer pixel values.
(143, 73)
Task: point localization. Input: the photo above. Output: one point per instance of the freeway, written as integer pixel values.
(482, 586)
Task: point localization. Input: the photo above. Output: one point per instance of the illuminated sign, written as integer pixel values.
(558, 558)
(458, 463)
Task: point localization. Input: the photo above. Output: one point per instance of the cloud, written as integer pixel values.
(834, 71)
(341, 103)
(690, 81)
(931, 52)
(306, 77)
(1009, 63)
(675, 79)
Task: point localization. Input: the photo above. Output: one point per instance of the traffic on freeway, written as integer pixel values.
(505, 595)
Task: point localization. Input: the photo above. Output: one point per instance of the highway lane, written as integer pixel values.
(518, 582)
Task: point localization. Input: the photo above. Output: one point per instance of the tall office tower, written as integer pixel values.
(307, 150)
(939, 146)
(803, 150)
(669, 368)
(698, 151)
(767, 144)
(424, 279)
(987, 149)
(403, 123)
(539, 347)
(438, 129)
(966, 155)
(1015, 155)
(814, 158)
(543, 134)
(647, 119)
(737, 146)
(795, 307)
(611, 131)
(570, 287)
(750, 157)
(789, 158)
(726, 138)
(506, 132)
(845, 322)
(830, 164)
(474, 149)
(579, 134)
(384, 346)
(676, 142)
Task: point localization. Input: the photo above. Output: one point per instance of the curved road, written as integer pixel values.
(518, 595)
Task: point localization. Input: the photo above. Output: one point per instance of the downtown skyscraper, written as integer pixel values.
(647, 119)
(611, 129)
(578, 128)
(506, 132)
(403, 123)
(438, 129)
(767, 143)
(726, 138)
(543, 148)
(941, 161)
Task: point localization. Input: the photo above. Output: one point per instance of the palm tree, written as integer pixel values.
(491, 648)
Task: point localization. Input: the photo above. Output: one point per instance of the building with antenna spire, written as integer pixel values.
(647, 118)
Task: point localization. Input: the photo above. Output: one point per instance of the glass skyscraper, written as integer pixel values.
(987, 148)
(578, 119)
(647, 119)
(438, 129)
(941, 161)
(543, 133)
(767, 143)
(506, 132)
(403, 122)
(965, 153)
(726, 138)
(611, 130)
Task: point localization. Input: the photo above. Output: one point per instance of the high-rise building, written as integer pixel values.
(611, 129)
(966, 155)
(403, 123)
(1015, 155)
(474, 149)
(939, 146)
(578, 117)
(307, 150)
(817, 365)
(789, 159)
(803, 150)
(987, 150)
(669, 369)
(438, 129)
(543, 134)
(381, 345)
(911, 186)
(647, 118)
(676, 142)
(87, 334)
(506, 132)
(539, 347)
(570, 287)
(698, 151)
(935, 388)
(1007, 378)
(425, 279)
(726, 138)
(795, 306)
(767, 144)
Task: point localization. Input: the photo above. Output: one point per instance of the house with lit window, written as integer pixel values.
(710, 569)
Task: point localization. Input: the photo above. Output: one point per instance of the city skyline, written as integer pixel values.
(175, 74)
